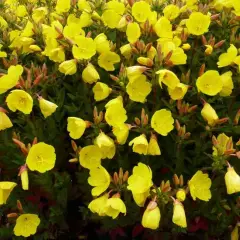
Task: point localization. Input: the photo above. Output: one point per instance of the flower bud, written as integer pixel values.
(186, 46)
(209, 49)
(181, 195)
(145, 61)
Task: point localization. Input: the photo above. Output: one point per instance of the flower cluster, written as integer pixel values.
(152, 79)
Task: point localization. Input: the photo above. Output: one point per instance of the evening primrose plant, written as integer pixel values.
(119, 117)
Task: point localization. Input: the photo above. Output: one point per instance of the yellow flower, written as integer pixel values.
(152, 53)
(209, 49)
(111, 18)
(181, 195)
(209, 114)
(135, 71)
(102, 44)
(138, 88)
(140, 144)
(41, 157)
(198, 23)
(171, 11)
(116, 6)
(2, 54)
(168, 78)
(115, 101)
(107, 60)
(141, 11)
(227, 84)
(90, 157)
(10, 80)
(99, 179)
(39, 14)
(106, 145)
(235, 234)
(84, 5)
(26, 225)
(199, 186)
(186, 46)
(115, 114)
(90, 74)
(98, 205)
(163, 28)
(72, 30)
(222, 141)
(121, 132)
(140, 198)
(21, 11)
(47, 107)
(141, 180)
(63, 6)
(85, 48)
(232, 180)
(5, 121)
(76, 127)
(179, 216)
(114, 206)
(162, 122)
(5, 190)
(226, 59)
(153, 147)
(101, 91)
(210, 83)
(151, 218)
(20, 100)
(68, 67)
(133, 32)
(126, 51)
(24, 178)
(178, 92)
(3, 23)
(85, 20)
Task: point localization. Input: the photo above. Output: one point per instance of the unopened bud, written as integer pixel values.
(115, 178)
(12, 215)
(202, 70)
(74, 146)
(176, 180)
(181, 180)
(181, 195)
(73, 160)
(137, 121)
(145, 61)
(219, 44)
(19, 206)
(186, 46)
(125, 176)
